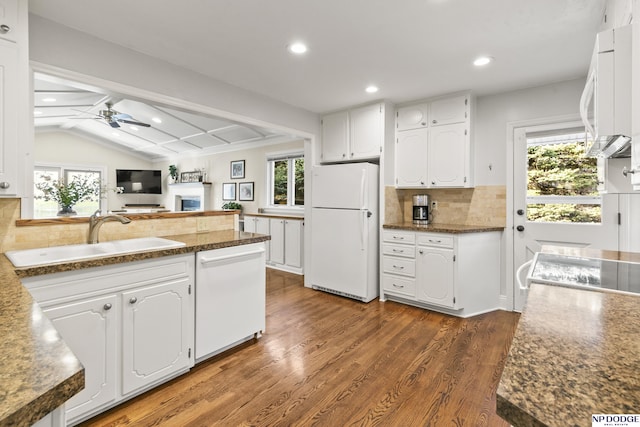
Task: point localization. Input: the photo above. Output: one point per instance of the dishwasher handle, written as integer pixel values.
(204, 260)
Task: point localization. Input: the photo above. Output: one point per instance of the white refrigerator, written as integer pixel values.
(344, 230)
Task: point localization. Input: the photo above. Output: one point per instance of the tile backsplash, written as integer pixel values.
(28, 237)
(482, 205)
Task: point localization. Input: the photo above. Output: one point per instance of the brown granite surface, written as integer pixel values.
(266, 215)
(38, 372)
(442, 228)
(575, 353)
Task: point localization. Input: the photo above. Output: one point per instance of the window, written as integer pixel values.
(561, 182)
(49, 209)
(286, 180)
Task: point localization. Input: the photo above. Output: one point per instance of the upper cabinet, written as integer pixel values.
(15, 121)
(354, 134)
(433, 144)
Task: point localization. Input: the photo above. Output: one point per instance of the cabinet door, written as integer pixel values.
(412, 117)
(448, 156)
(157, 333)
(411, 158)
(365, 132)
(9, 18)
(434, 271)
(449, 110)
(250, 224)
(9, 117)
(89, 328)
(263, 227)
(335, 137)
(293, 242)
(277, 241)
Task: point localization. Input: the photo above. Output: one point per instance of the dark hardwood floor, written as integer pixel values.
(329, 361)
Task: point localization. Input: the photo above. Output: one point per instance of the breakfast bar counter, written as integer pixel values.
(38, 371)
(575, 354)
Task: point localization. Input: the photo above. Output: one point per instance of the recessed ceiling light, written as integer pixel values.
(482, 61)
(134, 128)
(371, 89)
(157, 119)
(37, 113)
(297, 48)
(48, 100)
(115, 134)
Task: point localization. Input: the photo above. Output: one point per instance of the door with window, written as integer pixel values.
(556, 201)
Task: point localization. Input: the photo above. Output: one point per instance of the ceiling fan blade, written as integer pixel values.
(132, 122)
(113, 124)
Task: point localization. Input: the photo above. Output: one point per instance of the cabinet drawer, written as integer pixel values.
(435, 239)
(396, 236)
(399, 285)
(399, 250)
(395, 265)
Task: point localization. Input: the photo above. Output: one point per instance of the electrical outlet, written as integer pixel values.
(434, 205)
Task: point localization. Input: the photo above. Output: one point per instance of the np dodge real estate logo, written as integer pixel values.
(615, 420)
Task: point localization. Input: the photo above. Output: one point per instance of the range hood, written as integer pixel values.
(605, 105)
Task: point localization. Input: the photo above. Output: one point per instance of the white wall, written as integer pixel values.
(494, 112)
(58, 46)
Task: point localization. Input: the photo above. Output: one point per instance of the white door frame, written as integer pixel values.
(509, 240)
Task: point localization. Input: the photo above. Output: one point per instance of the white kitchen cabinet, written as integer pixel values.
(16, 117)
(131, 326)
(435, 269)
(286, 244)
(355, 134)
(448, 156)
(230, 297)
(90, 329)
(457, 274)
(433, 144)
(448, 110)
(411, 158)
(260, 225)
(412, 117)
(156, 333)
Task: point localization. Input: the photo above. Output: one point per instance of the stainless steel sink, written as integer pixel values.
(66, 253)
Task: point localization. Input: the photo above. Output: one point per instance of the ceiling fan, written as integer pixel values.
(114, 118)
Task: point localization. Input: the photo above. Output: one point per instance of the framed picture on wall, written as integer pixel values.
(228, 191)
(245, 190)
(237, 169)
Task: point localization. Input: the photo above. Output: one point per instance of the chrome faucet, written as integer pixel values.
(96, 221)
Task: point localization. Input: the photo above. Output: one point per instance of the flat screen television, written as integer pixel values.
(139, 181)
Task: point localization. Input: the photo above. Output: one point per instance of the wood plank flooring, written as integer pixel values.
(325, 360)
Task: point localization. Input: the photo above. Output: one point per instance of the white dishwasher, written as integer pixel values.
(230, 297)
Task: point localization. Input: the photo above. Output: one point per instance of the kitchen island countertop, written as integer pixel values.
(575, 354)
(38, 371)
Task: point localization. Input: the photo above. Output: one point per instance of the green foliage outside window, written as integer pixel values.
(561, 170)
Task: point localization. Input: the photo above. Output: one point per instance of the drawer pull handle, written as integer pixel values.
(398, 286)
(398, 237)
(400, 251)
(435, 241)
(399, 267)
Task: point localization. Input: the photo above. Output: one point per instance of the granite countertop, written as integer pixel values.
(38, 372)
(575, 353)
(442, 228)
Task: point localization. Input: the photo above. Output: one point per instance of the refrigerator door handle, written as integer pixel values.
(363, 229)
(363, 192)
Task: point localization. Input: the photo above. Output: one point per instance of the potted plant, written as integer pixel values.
(67, 195)
(173, 173)
(230, 206)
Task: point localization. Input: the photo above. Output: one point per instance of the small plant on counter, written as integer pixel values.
(232, 206)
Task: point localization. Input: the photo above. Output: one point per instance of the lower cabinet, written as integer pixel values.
(458, 274)
(260, 225)
(285, 249)
(131, 326)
